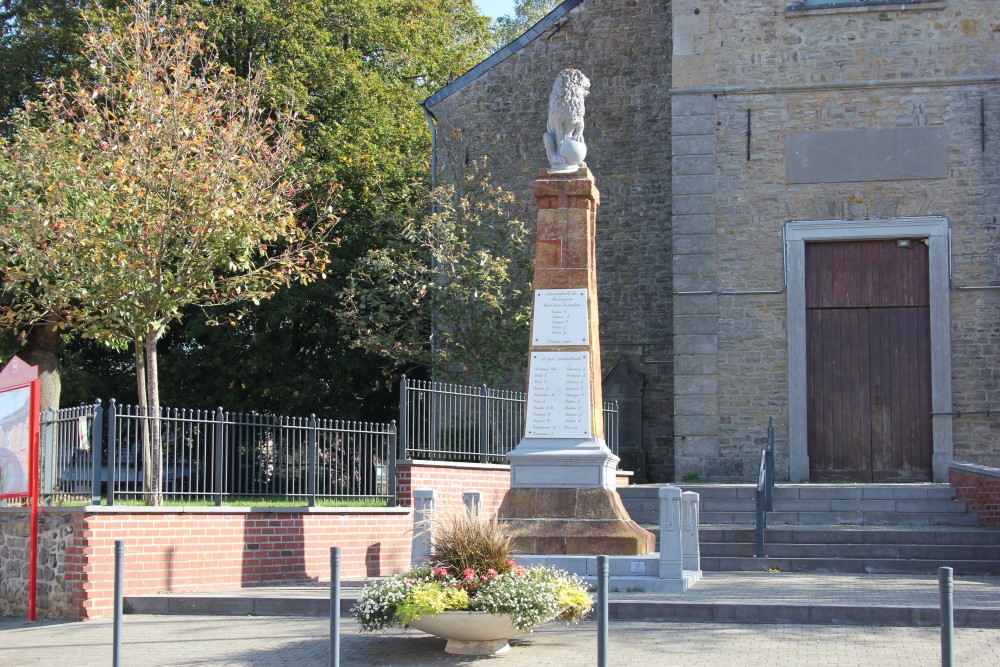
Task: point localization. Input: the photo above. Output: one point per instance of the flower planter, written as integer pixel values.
(470, 632)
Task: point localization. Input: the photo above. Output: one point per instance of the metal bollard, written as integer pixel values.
(334, 606)
(946, 588)
(116, 654)
(602, 611)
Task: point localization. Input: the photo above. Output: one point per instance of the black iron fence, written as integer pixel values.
(214, 456)
(90, 453)
(451, 422)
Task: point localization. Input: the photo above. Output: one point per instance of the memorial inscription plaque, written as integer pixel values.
(559, 395)
(560, 317)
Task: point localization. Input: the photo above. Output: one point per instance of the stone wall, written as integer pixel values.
(624, 48)
(55, 596)
(928, 65)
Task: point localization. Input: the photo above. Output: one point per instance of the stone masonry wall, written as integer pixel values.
(624, 48)
(809, 72)
(55, 596)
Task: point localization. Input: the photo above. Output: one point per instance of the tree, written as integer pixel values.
(506, 29)
(453, 293)
(155, 183)
(357, 69)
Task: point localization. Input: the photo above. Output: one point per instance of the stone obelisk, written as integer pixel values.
(562, 498)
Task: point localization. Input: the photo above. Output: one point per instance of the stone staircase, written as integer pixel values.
(835, 528)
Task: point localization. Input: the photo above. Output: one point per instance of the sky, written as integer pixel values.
(496, 8)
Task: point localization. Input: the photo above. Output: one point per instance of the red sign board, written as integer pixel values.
(20, 394)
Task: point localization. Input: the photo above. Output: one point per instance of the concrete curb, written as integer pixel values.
(619, 610)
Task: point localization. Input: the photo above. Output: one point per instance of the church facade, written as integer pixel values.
(798, 221)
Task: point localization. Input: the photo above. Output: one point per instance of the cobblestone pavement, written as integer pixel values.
(217, 641)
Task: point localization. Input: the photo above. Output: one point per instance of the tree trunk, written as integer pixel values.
(42, 350)
(147, 451)
(153, 401)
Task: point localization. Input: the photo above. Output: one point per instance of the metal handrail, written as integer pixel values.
(764, 495)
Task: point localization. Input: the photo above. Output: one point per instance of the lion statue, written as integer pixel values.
(563, 136)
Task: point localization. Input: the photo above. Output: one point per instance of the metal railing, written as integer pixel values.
(764, 495)
(215, 456)
(465, 423)
(71, 453)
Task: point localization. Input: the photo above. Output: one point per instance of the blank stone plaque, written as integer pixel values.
(560, 317)
(559, 395)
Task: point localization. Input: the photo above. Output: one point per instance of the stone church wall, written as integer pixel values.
(784, 72)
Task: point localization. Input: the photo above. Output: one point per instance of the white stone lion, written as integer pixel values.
(563, 136)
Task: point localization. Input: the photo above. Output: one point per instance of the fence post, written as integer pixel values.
(946, 591)
(116, 657)
(769, 466)
(690, 550)
(311, 462)
(220, 464)
(473, 502)
(602, 610)
(671, 551)
(50, 425)
(403, 420)
(423, 539)
(334, 606)
(112, 450)
(391, 482)
(96, 452)
(484, 424)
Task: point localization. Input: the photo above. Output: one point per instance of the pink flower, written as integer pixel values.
(491, 572)
(441, 572)
(469, 574)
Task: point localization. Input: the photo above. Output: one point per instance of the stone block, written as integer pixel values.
(691, 125)
(694, 204)
(692, 105)
(702, 223)
(696, 144)
(696, 344)
(694, 185)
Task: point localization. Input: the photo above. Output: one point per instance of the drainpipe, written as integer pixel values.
(429, 117)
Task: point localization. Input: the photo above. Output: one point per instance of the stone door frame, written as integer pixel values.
(937, 231)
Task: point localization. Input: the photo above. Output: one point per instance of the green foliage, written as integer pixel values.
(357, 70)
(155, 183)
(453, 293)
(506, 29)
(429, 598)
(39, 40)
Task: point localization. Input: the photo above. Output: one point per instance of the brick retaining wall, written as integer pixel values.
(185, 549)
(979, 487)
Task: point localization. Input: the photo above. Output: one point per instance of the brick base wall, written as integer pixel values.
(220, 548)
(979, 487)
(450, 481)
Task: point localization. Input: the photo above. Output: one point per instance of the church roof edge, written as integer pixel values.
(499, 56)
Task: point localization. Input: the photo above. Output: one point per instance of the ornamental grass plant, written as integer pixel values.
(471, 569)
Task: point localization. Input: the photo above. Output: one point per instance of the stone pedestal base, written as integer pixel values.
(572, 521)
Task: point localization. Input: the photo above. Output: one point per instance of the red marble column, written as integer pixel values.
(562, 498)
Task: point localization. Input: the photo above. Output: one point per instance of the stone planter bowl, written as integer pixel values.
(470, 632)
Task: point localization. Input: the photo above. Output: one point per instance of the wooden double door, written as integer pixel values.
(868, 361)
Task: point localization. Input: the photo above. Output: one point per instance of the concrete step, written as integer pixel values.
(847, 565)
(930, 535)
(864, 551)
(731, 597)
